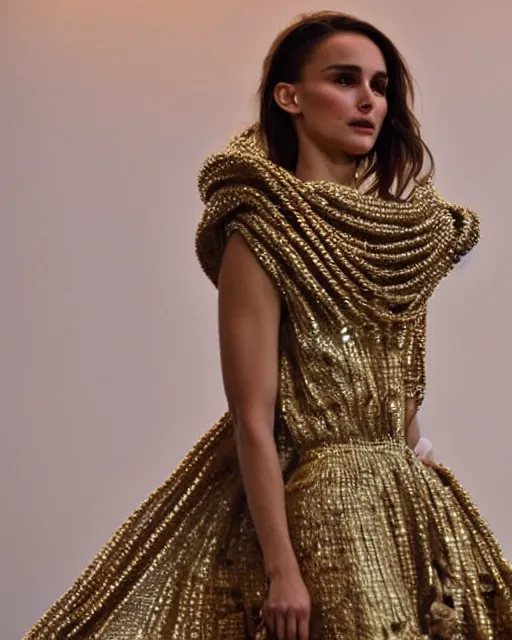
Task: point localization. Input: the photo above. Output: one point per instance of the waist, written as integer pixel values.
(356, 449)
(334, 466)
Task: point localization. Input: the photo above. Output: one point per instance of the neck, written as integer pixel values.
(318, 166)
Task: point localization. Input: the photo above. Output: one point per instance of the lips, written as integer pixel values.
(363, 124)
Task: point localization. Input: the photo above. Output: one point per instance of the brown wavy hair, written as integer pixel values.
(398, 156)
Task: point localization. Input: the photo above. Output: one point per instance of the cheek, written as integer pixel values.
(330, 101)
(383, 111)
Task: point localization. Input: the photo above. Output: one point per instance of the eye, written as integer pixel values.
(380, 87)
(346, 79)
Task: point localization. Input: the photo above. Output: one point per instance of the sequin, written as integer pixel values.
(389, 548)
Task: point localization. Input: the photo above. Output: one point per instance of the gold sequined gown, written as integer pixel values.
(389, 548)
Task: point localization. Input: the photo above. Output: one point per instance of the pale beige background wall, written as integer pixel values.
(108, 345)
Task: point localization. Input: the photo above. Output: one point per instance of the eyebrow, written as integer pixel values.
(352, 67)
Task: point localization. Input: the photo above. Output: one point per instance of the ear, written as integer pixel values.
(286, 97)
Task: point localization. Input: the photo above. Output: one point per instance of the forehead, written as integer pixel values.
(347, 48)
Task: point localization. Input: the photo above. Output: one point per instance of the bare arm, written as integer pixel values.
(421, 446)
(249, 316)
(411, 420)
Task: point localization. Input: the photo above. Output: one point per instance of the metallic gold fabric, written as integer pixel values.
(389, 548)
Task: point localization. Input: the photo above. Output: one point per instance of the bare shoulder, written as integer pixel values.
(242, 276)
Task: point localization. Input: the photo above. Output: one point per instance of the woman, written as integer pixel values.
(305, 512)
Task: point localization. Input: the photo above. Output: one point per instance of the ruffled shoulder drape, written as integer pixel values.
(376, 260)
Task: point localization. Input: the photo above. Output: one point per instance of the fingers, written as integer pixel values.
(291, 626)
(268, 616)
(303, 629)
(287, 626)
(281, 626)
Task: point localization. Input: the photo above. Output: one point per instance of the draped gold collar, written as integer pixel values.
(388, 256)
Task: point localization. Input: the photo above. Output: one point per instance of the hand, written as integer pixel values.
(287, 609)
(425, 452)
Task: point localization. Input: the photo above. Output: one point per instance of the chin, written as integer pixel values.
(354, 146)
(357, 150)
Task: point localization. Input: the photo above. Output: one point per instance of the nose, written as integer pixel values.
(366, 100)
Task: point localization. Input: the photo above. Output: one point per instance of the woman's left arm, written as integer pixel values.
(421, 446)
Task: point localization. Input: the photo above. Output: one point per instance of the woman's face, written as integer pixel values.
(341, 97)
